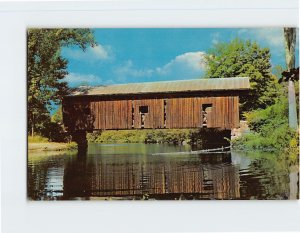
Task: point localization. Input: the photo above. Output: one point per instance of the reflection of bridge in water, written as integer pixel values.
(130, 172)
(200, 177)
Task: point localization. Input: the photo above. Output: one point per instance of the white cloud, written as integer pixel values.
(92, 54)
(75, 79)
(127, 69)
(185, 66)
(215, 38)
(99, 51)
(191, 61)
(272, 36)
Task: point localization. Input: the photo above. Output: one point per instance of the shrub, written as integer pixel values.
(171, 136)
(270, 130)
(72, 146)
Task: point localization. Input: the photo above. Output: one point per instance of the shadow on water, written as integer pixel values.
(130, 171)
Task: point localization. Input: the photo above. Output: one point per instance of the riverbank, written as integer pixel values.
(51, 146)
(39, 143)
(203, 138)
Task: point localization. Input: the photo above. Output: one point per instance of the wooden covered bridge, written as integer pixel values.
(201, 103)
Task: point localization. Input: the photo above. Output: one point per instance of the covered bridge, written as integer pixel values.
(201, 103)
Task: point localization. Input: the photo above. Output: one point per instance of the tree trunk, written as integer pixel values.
(292, 106)
(290, 42)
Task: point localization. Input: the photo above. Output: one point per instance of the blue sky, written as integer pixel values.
(143, 55)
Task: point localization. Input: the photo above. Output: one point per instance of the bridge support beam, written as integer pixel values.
(80, 139)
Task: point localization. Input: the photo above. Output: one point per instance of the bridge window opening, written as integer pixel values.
(165, 113)
(143, 111)
(206, 110)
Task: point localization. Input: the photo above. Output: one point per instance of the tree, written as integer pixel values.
(290, 42)
(46, 70)
(240, 58)
(57, 117)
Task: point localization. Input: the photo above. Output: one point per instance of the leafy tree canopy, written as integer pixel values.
(46, 69)
(240, 58)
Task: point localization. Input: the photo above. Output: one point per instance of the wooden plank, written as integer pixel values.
(184, 114)
(236, 111)
(197, 112)
(162, 113)
(107, 114)
(170, 115)
(167, 113)
(100, 123)
(103, 114)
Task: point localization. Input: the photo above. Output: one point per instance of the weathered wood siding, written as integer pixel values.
(187, 112)
(183, 112)
(112, 114)
(154, 119)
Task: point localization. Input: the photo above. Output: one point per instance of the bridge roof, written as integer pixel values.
(213, 84)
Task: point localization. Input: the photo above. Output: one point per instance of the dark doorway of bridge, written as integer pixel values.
(206, 114)
(143, 111)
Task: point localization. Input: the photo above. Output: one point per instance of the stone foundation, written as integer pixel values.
(242, 130)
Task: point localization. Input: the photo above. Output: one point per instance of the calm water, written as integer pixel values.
(131, 171)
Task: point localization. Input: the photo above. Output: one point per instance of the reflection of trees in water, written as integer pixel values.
(157, 177)
(36, 178)
(265, 178)
(45, 177)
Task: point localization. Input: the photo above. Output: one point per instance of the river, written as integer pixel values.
(132, 172)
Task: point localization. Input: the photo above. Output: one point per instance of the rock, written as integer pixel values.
(242, 130)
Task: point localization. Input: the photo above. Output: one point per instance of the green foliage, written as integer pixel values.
(252, 141)
(277, 71)
(270, 130)
(52, 128)
(55, 132)
(240, 58)
(202, 138)
(46, 70)
(72, 146)
(172, 136)
(281, 139)
(57, 116)
(37, 139)
(263, 120)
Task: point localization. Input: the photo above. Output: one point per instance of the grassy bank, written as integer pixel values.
(39, 143)
(174, 136)
(270, 131)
